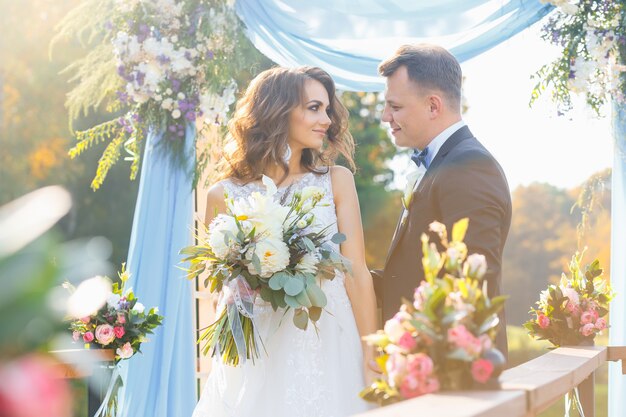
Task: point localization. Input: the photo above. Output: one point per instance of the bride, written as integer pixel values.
(290, 126)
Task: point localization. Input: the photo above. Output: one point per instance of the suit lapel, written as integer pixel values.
(456, 138)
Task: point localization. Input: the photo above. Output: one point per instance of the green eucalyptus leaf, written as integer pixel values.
(294, 285)
(301, 319)
(315, 313)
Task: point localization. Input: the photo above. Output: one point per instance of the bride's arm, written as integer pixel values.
(358, 285)
(214, 205)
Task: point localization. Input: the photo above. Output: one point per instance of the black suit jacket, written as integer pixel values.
(463, 180)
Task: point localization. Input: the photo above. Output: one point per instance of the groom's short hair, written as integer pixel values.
(430, 66)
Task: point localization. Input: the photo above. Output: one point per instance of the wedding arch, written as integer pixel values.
(160, 66)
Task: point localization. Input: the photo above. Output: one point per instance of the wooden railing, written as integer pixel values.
(526, 390)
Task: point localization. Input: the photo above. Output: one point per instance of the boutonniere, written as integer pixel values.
(412, 179)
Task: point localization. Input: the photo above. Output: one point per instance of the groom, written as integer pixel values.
(460, 177)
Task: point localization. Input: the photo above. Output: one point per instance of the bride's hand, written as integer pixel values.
(371, 369)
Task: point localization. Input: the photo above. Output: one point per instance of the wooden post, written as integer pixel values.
(587, 395)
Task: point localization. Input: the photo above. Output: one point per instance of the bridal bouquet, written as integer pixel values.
(121, 324)
(263, 248)
(444, 337)
(572, 312)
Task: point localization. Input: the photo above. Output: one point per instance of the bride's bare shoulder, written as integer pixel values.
(342, 182)
(215, 197)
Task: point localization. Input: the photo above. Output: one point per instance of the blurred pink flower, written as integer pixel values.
(482, 370)
(588, 329)
(586, 317)
(75, 335)
(573, 309)
(88, 337)
(105, 334)
(86, 319)
(459, 335)
(600, 324)
(121, 318)
(543, 321)
(411, 386)
(407, 342)
(420, 364)
(396, 367)
(32, 387)
(485, 341)
(394, 329)
(431, 385)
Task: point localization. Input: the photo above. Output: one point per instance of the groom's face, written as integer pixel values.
(407, 110)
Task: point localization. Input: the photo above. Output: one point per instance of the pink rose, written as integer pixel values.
(543, 321)
(86, 319)
(420, 364)
(588, 329)
(119, 331)
(125, 352)
(482, 370)
(430, 385)
(411, 387)
(105, 334)
(595, 315)
(586, 317)
(88, 337)
(573, 309)
(407, 342)
(600, 324)
(75, 335)
(121, 318)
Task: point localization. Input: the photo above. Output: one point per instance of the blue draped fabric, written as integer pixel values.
(617, 332)
(350, 38)
(161, 381)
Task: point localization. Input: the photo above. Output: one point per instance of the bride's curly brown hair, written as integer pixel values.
(259, 128)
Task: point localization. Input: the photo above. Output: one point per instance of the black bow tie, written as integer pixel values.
(419, 157)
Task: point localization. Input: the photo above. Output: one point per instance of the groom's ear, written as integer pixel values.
(436, 105)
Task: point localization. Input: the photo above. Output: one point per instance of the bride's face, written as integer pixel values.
(309, 121)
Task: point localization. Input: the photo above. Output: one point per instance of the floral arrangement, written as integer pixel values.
(592, 36)
(572, 312)
(444, 338)
(121, 323)
(160, 65)
(263, 248)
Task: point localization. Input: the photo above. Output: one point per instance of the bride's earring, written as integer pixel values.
(287, 155)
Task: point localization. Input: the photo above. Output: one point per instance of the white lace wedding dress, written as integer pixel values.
(303, 373)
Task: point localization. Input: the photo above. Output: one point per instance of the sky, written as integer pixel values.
(531, 144)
